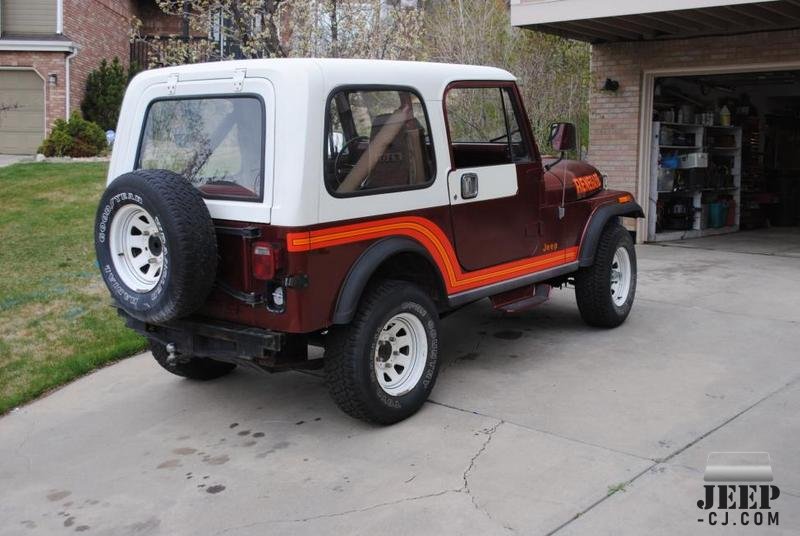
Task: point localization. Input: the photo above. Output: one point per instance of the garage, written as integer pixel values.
(694, 107)
(22, 123)
(724, 156)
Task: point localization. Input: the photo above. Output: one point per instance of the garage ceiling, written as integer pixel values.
(644, 24)
(755, 79)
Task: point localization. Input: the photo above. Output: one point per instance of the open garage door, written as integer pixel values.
(724, 157)
(21, 126)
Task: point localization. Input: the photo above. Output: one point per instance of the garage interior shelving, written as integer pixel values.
(700, 184)
(724, 154)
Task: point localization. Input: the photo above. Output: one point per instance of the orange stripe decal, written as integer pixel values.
(429, 235)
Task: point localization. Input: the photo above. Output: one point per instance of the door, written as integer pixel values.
(22, 116)
(494, 179)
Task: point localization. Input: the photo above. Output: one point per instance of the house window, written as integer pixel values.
(217, 143)
(484, 127)
(377, 140)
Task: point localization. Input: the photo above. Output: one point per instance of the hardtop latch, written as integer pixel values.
(172, 83)
(238, 79)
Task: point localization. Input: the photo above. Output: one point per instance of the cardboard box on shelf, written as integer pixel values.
(693, 160)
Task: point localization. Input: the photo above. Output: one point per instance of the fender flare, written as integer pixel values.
(598, 221)
(363, 269)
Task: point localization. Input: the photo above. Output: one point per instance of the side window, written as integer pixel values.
(217, 143)
(484, 127)
(377, 140)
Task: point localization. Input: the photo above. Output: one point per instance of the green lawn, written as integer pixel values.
(56, 322)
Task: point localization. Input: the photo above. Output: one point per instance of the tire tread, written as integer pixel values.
(341, 372)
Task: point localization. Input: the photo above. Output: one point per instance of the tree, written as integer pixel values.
(105, 88)
(390, 29)
(357, 29)
(553, 73)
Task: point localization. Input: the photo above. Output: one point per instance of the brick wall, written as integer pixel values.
(615, 117)
(45, 63)
(101, 29)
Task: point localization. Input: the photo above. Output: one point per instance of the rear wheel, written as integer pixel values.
(382, 367)
(605, 290)
(195, 368)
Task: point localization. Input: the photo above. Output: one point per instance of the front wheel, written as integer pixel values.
(382, 366)
(605, 290)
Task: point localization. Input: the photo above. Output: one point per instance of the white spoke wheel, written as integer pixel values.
(137, 248)
(141, 213)
(620, 276)
(400, 354)
(605, 290)
(381, 366)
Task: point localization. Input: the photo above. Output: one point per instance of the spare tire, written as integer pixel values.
(156, 245)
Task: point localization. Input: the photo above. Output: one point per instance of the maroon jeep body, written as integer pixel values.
(420, 189)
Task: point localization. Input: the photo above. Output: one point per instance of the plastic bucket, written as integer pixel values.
(717, 214)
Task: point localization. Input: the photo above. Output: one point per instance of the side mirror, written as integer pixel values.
(562, 137)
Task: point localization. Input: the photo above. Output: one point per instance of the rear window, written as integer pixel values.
(217, 143)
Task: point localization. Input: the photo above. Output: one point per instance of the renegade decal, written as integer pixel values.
(434, 240)
(587, 184)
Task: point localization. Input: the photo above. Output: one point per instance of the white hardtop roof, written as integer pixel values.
(428, 78)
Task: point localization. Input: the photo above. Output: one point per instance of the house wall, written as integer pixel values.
(44, 63)
(615, 116)
(100, 28)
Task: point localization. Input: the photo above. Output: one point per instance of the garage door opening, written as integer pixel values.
(725, 155)
(22, 122)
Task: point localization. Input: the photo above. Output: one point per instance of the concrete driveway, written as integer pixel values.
(535, 420)
(8, 159)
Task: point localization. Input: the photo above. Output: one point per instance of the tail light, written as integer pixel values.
(265, 260)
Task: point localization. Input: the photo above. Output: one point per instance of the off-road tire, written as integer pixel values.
(593, 283)
(350, 351)
(195, 368)
(189, 249)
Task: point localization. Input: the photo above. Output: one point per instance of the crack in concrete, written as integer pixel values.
(489, 434)
(465, 489)
(337, 514)
(368, 508)
(542, 431)
(465, 476)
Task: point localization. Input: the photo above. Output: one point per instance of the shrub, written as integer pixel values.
(105, 88)
(76, 137)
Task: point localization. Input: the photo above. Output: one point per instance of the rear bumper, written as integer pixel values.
(194, 337)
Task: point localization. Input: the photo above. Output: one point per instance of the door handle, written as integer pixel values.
(469, 185)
